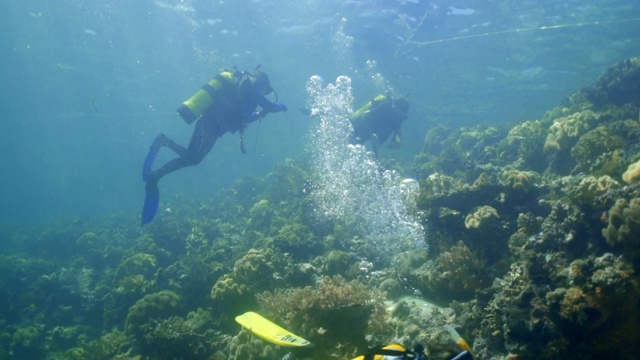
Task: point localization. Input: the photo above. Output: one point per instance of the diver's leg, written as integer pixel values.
(160, 141)
(151, 155)
(177, 148)
(202, 141)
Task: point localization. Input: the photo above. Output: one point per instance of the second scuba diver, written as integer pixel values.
(379, 120)
(227, 103)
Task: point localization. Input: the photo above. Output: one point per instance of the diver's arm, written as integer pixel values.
(269, 107)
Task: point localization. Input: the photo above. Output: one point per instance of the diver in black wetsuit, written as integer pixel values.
(379, 120)
(227, 103)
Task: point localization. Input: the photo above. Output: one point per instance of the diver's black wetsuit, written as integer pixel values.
(381, 120)
(234, 110)
(215, 122)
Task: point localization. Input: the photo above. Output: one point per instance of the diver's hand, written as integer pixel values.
(281, 107)
(254, 116)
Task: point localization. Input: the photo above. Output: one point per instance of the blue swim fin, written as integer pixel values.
(151, 201)
(151, 156)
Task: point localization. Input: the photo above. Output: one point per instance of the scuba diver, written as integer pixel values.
(227, 103)
(399, 352)
(378, 120)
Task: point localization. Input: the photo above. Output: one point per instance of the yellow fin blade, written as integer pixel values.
(269, 331)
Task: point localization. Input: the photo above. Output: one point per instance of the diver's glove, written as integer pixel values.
(281, 107)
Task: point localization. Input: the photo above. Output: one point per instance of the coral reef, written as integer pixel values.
(455, 274)
(619, 85)
(260, 216)
(566, 130)
(624, 226)
(26, 343)
(521, 180)
(592, 145)
(176, 337)
(297, 240)
(134, 272)
(632, 174)
(523, 146)
(245, 346)
(334, 310)
(231, 297)
(158, 305)
(534, 253)
(482, 218)
(256, 271)
(108, 346)
(590, 188)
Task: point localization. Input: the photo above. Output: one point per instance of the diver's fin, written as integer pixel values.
(465, 355)
(458, 339)
(269, 331)
(151, 156)
(151, 201)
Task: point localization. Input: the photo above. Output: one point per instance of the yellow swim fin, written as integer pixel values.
(458, 339)
(269, 331)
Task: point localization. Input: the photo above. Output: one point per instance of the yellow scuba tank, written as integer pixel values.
(368, 106)
(395, 352)
(192, 108)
